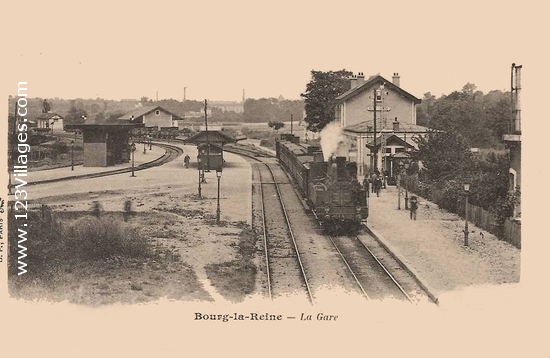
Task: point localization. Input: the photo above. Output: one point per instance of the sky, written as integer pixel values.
(217, 49)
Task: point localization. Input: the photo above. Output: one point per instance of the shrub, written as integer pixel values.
(94, 238)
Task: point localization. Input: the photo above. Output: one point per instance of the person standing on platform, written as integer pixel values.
(378, 185)
(413, 205)
(373, 182)
(366, 184)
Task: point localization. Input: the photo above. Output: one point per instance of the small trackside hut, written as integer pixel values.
(210, 148)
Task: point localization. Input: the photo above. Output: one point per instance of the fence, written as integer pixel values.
(509, 232)
(512, 232)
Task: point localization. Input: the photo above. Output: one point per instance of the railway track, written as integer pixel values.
(373, 269)
(281, 249)
(373, 278)
(172, 152)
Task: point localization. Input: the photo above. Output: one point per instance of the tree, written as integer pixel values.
(46, 106)
(445, 154)
(76, 115)
(276, 125)
(95, 108)
(424, 109)
(261, 110)
(320, 96)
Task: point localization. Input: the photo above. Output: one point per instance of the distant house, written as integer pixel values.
(152, 116)
(49, 122)
(227, 106)
(395, 121)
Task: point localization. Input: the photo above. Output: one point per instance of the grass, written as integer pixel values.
(236, 279)
(53, 247)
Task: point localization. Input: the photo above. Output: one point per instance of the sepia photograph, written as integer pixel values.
(191, 179)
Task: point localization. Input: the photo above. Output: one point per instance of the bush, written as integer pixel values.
(93, 238)
(60, 147)
(50, 245)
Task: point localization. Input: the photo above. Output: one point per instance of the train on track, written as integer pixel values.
(156, 132)
(329, 187)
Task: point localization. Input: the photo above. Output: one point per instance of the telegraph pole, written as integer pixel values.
(375, 109)
(207, 141)
(374, 141)
(291, 123)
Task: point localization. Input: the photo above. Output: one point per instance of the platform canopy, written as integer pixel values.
(105, 143)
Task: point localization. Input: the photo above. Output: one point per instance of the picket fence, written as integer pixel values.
(483, 219)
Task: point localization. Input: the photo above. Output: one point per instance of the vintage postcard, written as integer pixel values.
(224, 177)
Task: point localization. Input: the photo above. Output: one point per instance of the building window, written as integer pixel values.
(388, 150)
(399, 150)
(378, 95)
(157, 112)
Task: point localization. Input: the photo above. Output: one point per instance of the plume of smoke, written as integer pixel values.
(332, 139)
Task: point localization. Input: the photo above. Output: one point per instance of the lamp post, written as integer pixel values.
(399, 185)
(407, 164)
(150, 141)
(133, 149)
(72, 154)
(466, 191)
(219, 176)
(199, 163)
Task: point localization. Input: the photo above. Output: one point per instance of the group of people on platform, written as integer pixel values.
(377, 181)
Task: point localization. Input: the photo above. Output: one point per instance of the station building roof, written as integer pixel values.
(210, 136)
(138, 113)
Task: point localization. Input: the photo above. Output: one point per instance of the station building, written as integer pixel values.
(152, 117)
(395, 113)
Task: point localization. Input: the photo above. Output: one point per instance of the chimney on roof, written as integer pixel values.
(353, 81)
(396, 125)
(396, 79)
(360, 78)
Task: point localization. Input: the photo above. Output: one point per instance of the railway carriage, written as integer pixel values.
(330, 188)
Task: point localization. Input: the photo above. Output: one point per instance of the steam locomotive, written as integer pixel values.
(329, 187)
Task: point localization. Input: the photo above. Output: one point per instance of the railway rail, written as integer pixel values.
(374, 279)
(279, 242)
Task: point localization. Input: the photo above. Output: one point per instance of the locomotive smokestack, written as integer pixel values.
(341, 167)
(318, 157)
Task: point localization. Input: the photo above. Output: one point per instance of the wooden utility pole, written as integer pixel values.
(374, 141)
(207, 141)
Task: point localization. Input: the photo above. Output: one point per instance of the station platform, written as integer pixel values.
(48, 174)
(432, 247)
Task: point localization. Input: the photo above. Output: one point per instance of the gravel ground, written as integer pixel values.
(433, 246)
